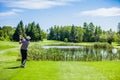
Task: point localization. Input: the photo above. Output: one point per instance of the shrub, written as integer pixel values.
(36, 52)
(102, 45)
(66, 40)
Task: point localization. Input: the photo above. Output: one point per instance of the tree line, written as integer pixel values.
(87, 33)
(33, 30)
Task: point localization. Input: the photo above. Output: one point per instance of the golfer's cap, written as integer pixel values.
(28, 37)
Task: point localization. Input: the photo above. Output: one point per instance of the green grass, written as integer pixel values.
(53, 70)
(47, 42)
(111, 69)
(8, 50)
(7, 45)
(9, 55)
(55, 42)
(61, 43)
(5, 72)
(3, 47)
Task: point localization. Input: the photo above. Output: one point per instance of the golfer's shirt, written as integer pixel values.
(25, 44)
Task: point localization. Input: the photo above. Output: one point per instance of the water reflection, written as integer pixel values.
(80, 53)
(63, 47)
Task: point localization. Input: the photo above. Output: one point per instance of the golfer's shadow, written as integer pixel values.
(14, 67)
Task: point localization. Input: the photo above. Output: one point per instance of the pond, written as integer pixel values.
(63, 47)
(83, 53)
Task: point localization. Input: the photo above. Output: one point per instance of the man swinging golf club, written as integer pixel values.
(24, 49)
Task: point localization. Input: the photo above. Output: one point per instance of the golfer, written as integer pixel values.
(24, 49)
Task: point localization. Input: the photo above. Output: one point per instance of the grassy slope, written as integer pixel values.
(50, 70)
(7, 45)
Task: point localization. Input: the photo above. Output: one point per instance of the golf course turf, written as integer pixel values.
(55, 70)
(60, 70)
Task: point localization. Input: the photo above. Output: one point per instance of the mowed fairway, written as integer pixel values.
(55, 70)
(51, 70)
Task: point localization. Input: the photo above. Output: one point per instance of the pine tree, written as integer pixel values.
(91, 32)
(39, 32)
(72, 34)
(110, 36)
(32, 31)
(119, 28)
(51, 34)
(78, 34)
(86, 30)
(19, 31)
(97, 33)
(1, 34)
(118, 33)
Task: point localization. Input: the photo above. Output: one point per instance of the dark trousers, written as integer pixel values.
(24, 57)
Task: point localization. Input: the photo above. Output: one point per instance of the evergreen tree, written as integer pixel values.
(38, 32)
(118, 33)
(110, 36)
(51, 34)
(58, 33)
(66, 32)
(86, 30)
(62, 33)
(72, 34)
(91, 32)
(0, 28)
(34, 31)
(119, 28)
(19, 31)
(97, 33)
(78, 34)
(1, 34)
(28, 29)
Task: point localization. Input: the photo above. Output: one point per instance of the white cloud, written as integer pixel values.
(36, 4)
(114, 11)
(11, 12)
(31, 4)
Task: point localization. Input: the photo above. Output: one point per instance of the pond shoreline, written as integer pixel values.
(58, 43)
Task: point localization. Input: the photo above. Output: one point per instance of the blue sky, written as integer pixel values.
(104, 13)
